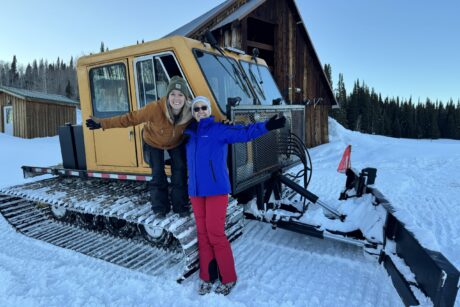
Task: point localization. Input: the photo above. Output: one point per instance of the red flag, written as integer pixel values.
(345, 163)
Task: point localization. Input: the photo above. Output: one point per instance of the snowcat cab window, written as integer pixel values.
(153, 73)
(263, 83)
(224, 77)
(109, 90)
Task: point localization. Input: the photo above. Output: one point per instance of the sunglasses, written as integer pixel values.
(202, 108)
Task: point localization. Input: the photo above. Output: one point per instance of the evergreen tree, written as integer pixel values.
(328, 73)
(450, 121)
(28, 78)
(101, 49)
(353, 108)
(340, 114)
(68, 89)
(13, 73)
(3, 75)
(442, 120)
(432, 121)
(35, 75)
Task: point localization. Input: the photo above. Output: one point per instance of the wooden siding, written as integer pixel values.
(291, 57)
(44, 119)
(33, 119)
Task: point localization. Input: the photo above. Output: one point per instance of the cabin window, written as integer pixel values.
(224, 78)
(153, 73)
(109, 90)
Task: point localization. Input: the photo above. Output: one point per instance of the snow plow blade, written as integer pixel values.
(434, 275)
(418, 274)
(110, 220)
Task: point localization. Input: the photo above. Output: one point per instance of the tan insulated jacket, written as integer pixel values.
(160, 131)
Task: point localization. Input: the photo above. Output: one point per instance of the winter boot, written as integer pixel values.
(159, 201)
(204, 287)
(225, 288)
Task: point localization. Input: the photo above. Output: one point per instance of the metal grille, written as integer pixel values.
(254, 162)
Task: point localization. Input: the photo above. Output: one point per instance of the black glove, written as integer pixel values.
(226, 122)
(92, 124)
(275, 123)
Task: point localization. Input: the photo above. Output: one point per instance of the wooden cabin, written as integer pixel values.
(277, 30)
(31, 114)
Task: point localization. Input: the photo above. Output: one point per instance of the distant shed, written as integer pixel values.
(276, 28)
(31, 114)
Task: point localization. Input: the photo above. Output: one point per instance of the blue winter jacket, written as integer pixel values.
(207, 154)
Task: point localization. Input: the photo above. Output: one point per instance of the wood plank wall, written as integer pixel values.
(44, 119)
(33, 119)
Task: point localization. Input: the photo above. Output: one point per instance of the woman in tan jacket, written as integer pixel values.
(165, 121)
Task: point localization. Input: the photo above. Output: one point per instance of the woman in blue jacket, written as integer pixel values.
(209, 186)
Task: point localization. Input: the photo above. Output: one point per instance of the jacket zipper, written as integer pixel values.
(212, 171)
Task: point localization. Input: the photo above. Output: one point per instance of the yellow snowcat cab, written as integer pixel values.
(123, 80)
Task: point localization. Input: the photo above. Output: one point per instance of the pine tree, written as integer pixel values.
(340, 114)
(3, 74)
(353, 107)
(35, 75)
(328, 73)
(450, 120)
(68, 89)
(28, 78)
(13, 73)
(101, 49)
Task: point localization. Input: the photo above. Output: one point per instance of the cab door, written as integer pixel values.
(152, 74)
(110, 97)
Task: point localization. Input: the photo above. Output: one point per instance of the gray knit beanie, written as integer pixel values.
(202, 99)
(178, 83)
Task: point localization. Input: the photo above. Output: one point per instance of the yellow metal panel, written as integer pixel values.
(116, 147)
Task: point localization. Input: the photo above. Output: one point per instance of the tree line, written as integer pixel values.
(43, 76)
(366, 111)
(47, 77)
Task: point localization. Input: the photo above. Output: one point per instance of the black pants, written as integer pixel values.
(159, 184)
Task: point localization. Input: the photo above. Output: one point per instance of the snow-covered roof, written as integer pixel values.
(37, 96)
(240, 13)
(188, 28)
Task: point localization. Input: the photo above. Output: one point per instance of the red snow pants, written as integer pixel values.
(210, 212)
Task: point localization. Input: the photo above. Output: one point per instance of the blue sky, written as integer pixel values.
(401, 48)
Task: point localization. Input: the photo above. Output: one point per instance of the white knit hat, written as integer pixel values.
(202, 99)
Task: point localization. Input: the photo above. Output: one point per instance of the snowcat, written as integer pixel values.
(97, 202)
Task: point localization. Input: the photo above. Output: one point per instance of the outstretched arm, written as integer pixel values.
(240, 134)
(126, 120)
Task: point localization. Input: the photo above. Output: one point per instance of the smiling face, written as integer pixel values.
(176, 100)
(201, 110)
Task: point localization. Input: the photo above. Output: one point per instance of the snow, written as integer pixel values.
(275, 267)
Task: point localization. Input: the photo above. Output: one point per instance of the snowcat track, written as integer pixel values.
(106, 219)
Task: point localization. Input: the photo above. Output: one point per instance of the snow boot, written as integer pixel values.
(204, 287)
(225, 289)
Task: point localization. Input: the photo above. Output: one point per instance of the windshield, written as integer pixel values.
(263, 83)
(224, 78)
